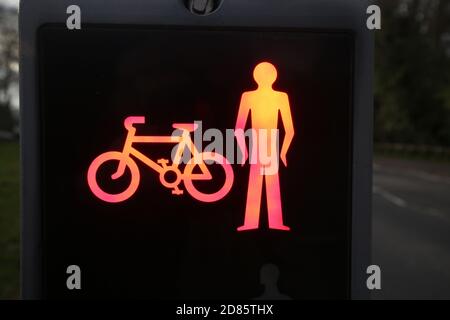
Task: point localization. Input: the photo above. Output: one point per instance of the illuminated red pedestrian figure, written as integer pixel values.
(265, 105)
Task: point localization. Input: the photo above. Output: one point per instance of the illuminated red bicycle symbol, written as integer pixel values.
(162, 166)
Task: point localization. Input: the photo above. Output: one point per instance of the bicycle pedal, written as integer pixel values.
(177, 192)
(163, 161)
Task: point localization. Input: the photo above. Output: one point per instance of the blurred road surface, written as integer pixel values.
(411, 229)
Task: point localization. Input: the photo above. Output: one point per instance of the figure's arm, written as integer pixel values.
(286, 117)
(244, 109)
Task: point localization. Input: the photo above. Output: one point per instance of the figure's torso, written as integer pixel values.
(264, 106)
(264, 109)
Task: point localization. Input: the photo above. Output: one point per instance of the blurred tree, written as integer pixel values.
(412, 73)
(9, 65)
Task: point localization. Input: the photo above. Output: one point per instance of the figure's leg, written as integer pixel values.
(274, 208)
(253, 199)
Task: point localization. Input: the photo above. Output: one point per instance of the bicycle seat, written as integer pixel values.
(185, 126)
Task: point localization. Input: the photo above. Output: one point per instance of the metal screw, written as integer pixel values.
(202, 7)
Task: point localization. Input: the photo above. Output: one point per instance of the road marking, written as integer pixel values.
(414, 173)
(434, 213)
(430, 177)
(390, 197)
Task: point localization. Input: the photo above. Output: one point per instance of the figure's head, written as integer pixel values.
(265, 74)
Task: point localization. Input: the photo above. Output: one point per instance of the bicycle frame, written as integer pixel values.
(183, 141)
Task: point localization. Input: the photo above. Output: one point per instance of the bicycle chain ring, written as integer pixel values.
(162, 177)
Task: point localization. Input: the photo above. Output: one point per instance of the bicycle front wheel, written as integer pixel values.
(205, 196)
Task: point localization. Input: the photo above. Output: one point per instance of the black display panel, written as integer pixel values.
(157, 244)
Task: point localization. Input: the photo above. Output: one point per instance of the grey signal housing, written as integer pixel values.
(349, 15)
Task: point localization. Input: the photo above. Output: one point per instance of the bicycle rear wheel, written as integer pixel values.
(215, 196)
